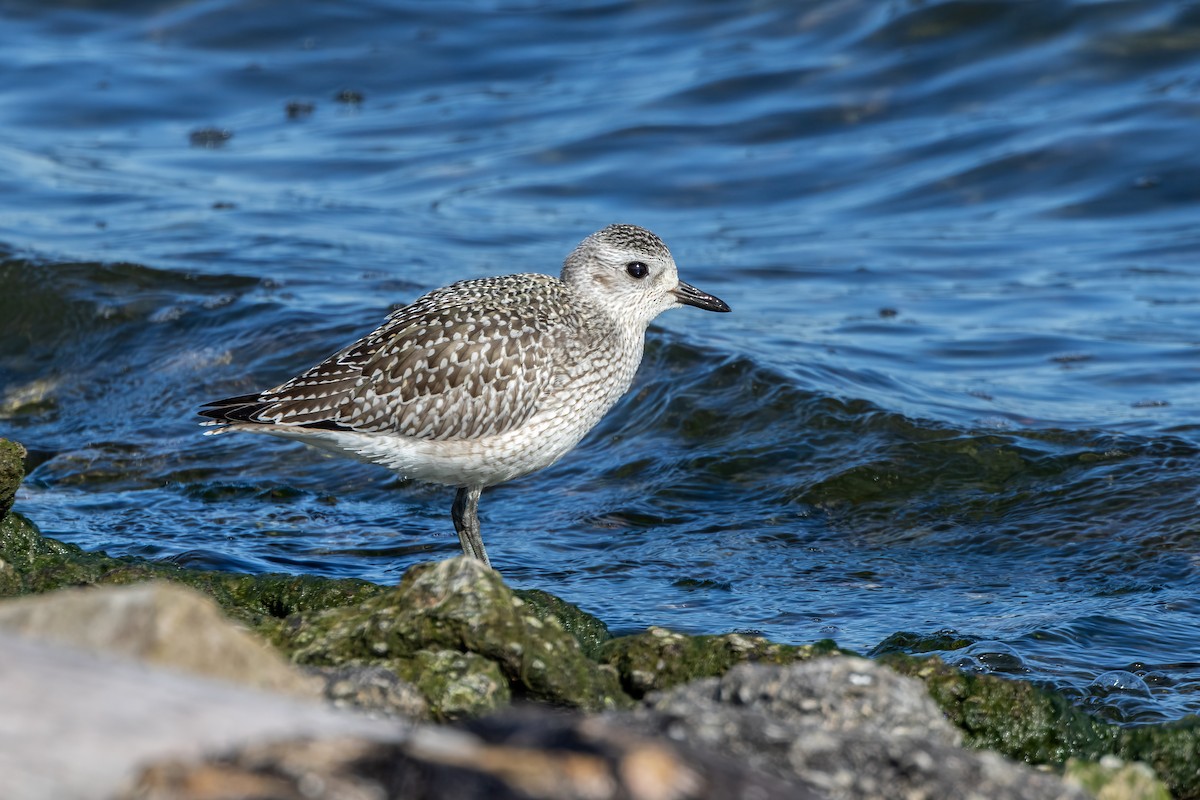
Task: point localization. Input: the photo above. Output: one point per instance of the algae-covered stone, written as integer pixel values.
(469, 641)
(16, 533)
(10, 581)
(457, 685)
(42, 564)
(1031, 724)
(259, 600)
(458, 605)
(1014, 717)
(12, 471)
(659, 659)
(590, 632)
(1110, 778)
(1172, 750)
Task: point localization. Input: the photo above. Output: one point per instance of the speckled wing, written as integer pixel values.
(471, 360)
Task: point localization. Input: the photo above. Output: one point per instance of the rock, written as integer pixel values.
(524, 754)
(440, 685)
(158, 623)
(1027, 723)
(1171, 750)
(373, 689)
(12, 526)
(76, 725)
(590, 632)
(437, 685)
(1014, 717)
(848, 726)
(1113, 779)
(456, 605)
(458, 685)
(12, 471)
(659, 658)
(41, 564)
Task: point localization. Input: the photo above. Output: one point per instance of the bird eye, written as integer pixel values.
(637, 269)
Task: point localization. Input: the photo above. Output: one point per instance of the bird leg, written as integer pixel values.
(466, 521)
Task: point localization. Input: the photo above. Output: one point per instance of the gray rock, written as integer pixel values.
(374, 690)
(530, 753)
(851, 727)
(77, 725)
(158, 623)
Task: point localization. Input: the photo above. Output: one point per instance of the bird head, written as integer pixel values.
(629, 273)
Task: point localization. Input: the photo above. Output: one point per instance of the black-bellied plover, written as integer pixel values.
(485, 380)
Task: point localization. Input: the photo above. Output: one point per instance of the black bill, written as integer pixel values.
(691, 296)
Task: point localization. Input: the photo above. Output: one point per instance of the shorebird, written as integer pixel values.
(485, 380)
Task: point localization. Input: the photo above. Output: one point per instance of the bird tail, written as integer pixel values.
(231, 411)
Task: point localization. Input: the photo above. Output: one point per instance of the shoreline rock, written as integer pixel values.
(156, 623)
(77, 724)
(12, 472)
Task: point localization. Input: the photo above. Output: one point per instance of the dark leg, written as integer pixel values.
(466, 522)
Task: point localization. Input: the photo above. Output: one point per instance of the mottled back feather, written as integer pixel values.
(473, 359)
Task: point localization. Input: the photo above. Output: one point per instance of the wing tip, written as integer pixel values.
(245, 411)
(243, 408)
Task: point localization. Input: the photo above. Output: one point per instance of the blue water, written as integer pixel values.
(958, 392)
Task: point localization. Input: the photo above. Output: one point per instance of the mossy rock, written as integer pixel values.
(1113, 779)
(1172, 750)
(41, 564)
(466, 610)
(1014, 717)
(1030, 724)
(13, 526)
(463, 606)
(457, 685)
(659, 659)
(590, 632)
(12, 472)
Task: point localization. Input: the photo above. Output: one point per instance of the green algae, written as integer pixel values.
(1171, 749)
(41, 564)
(31, 563)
